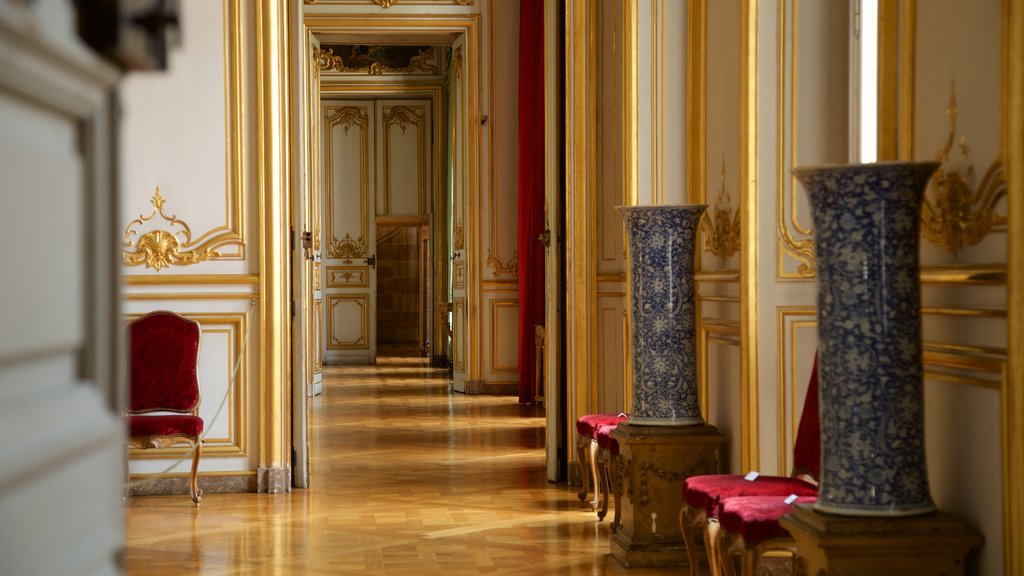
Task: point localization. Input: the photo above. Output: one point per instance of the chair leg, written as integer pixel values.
(689, 519)
(582, 444)
(194, 490)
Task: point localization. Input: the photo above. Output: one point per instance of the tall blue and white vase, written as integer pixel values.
(866, 232)
(662, 240)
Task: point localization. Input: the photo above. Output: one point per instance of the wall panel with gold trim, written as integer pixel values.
(952, 108)
(226, 341)
(191, 116)
(189, 210)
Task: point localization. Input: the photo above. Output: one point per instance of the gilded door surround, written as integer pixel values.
(275, 37)
(405, 25)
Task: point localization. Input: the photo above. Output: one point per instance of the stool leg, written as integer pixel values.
(689, 519)
(602, 466)
(582, 443)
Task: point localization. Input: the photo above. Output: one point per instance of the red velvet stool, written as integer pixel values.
(702, 495)
(751, 528)
(608, 467)
(587, 450)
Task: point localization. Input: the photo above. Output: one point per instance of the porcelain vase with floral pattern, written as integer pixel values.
(866, 230)
(662, 240)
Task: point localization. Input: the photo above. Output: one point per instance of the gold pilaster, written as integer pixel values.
(908, 43)
(630, 172)
(273, 41)
(580, 256)
(1013, 381)
(749, 449)
(888, 82)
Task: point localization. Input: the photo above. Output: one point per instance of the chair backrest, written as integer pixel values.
(807, 447)
(163, 356)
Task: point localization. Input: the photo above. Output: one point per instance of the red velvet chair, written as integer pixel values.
(163, 356)
(703, 495)
(588, 450)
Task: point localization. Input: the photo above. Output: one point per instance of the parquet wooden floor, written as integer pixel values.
(408, 478)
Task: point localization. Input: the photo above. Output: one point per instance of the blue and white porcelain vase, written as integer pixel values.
(662, 240)
(866, 232)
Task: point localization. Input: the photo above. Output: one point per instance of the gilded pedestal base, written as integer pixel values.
(927, 545)
(653, 463)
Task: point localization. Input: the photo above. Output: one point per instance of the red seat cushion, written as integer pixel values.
(604, 438)
(756, 518)
(588, 425)
(708, 491)
(165, 425)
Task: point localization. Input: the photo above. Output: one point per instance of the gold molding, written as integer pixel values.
(955, 213)
(495, 368)
(800, 249)
(178, 279)
(162, 248)
(508, 267)
(361, 274)
(722, 226)
(348, 247)
(459, 236)
(360, 343)
(385, 3)
(787, 387)
(403, 116)
(979, 274)
(696, 98)
(907, 79)
(328, 61)
(347, 117)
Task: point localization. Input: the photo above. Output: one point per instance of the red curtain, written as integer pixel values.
(531, 188)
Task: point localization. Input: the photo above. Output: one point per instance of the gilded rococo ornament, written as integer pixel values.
(510, 267)
(722, 226)
(378, 60)
(160, 248)
(348, 247)
(955, 214)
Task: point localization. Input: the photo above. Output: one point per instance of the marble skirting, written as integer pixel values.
(178, 485)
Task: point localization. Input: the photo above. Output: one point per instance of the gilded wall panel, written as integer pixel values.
(813, 104)
(348, 276)
(348, 179)
(171, 121)
(503, 338)
(404, 158)
(797, 343)
(348, 322)
(609, 360)
(500, 208)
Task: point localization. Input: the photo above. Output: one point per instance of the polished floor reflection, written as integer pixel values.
(408, 477)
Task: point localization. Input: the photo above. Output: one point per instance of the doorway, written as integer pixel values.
(403, 303)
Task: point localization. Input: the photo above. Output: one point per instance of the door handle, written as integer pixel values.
(372, 261)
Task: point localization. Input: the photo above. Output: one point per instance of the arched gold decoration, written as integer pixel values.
(511, 267)
(159, 248)
(722, 225)
(402, 116)
(955, 214)
(348, 247)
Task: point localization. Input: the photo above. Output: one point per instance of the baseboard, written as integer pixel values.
(177, 484)
(492, 388)
(273, 480)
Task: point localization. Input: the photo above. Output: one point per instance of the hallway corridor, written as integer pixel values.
(408, 478)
